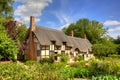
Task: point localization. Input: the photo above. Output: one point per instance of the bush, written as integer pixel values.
(81, 73)
(76, 58)
(114, 56)
(80, 58)
(103, 67)
(78, 64)
(63, 57)
(104, 49)
(68, 73)
(47, 60)
(8, 48)
(31, 71)
(108, 77)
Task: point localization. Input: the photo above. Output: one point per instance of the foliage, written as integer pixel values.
(93, 29)
(17, 33)
(8, 49)
(6, 8)
(104, 49)
(80, 57)
(76, 58)
(81, 73)
(114, 56)
(118, 49)
(33, 70)
(107, 77)
(78, 64)
(63, 57)
(103, 67)
(117, 41)
(69, 73)
(47, 60)
(30, 71)
(22, 32)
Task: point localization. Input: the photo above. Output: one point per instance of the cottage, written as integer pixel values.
(43, 42)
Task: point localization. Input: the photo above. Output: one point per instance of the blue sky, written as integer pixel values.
(60, 13)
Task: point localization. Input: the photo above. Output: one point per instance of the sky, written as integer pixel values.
(57, 14)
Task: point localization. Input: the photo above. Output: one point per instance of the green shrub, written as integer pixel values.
(31, 71)
(76, 58)
(81, 73)
(68, 73)
(77, 64)
(8, 48)
(103, 67)
(114, 56)
(47, 60)
(63, 57)
(80, 57)
(108, 77)
(30, 62)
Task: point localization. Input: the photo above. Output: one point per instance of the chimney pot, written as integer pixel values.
(72, 33)
(84, 36)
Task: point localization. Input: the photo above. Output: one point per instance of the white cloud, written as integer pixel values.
(114, 29)
(30, 8)
(111, 23)
(114, 35)
(114, 32)
(66, 25)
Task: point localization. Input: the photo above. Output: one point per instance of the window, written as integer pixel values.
(38, 52)
(67, 48)
(52, 45)
(63, 46)
(59, 47)
(45, 47)
(52, 42)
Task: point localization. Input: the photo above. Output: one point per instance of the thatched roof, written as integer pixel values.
(82, 44)
(46, 35)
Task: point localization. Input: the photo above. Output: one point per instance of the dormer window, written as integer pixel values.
(63, 46)
(64, 43)
(52, 46)
(57, 47)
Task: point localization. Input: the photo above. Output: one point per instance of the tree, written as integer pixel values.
(17, 33)
(117, 41)
(6, 8)
(8, 48)
(104, 49)
(93, 30)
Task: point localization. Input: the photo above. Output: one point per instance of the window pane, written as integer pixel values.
(38, 52)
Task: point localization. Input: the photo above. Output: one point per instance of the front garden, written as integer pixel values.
(94, 69)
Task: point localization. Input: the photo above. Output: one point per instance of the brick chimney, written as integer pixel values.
(32, 23)
(84, 36)
(72, 33)
(31, 44)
